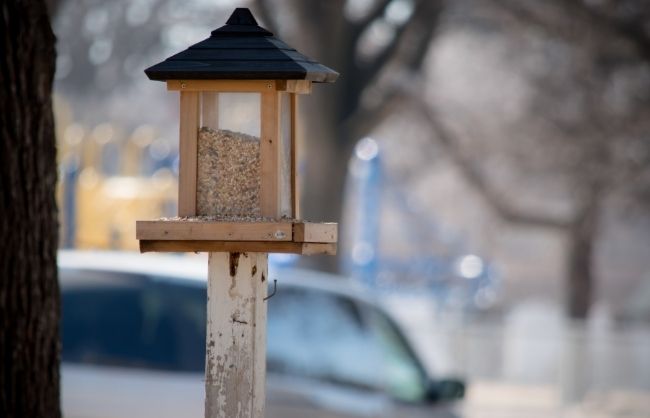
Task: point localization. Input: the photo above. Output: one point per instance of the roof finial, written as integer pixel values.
(242, 16)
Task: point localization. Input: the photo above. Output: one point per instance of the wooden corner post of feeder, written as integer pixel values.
(238, 192)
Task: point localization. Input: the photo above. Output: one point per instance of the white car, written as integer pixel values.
(133, 335)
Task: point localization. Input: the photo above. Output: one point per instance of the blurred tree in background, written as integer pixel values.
(583, 134)
(29, 293)
(573, 144)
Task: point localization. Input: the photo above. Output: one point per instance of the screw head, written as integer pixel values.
(279, 234)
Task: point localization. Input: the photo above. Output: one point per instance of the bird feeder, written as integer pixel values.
(238, 183)
(238, 191)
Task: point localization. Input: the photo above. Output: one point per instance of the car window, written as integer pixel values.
(403, 376)
(319, 335)
(125, 320)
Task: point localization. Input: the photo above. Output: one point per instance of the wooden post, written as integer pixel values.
(235, 370)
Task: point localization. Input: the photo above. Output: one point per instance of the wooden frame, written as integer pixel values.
(216, 231)
(187, 170)
(270, 155)
(315, 232)
(198, 107)
(290, 86)
(303, 248)
(216, 236)
(295, 86)
(295, 191)
(203, 230)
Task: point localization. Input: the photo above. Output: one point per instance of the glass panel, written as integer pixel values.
(210, 110)
(228, 172)
(240, 112)
(286, 208)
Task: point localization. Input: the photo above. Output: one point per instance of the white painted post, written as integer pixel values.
(235, 371)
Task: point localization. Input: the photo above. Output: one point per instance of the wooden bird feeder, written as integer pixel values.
(238, 188)
(238, 191)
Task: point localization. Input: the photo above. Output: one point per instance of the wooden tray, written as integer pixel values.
(195, 235)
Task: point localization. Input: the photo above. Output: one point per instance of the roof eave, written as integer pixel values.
(314, 76)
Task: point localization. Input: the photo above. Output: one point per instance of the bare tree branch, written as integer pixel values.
(423, 15)
(629, 29)
(425, 37)
(506, 211)
(375, 13)
(314, 13)
(375, 101)
(367, 116)
(522, 13)
(370, 70)
(263, 9)
(607, 26)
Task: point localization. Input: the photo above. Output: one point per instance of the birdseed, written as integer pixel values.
(229, 218)
(228, 174)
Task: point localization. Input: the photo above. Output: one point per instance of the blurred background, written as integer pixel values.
(489, 162)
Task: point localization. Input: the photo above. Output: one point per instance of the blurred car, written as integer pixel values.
(133, 335)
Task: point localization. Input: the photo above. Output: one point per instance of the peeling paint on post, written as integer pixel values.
(236, 335)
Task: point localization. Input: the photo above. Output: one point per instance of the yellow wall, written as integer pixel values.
(107, 208)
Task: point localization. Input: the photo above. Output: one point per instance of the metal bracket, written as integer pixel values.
(275, 288)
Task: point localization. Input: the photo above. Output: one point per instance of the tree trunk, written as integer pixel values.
(29, 294)
(326, 143)
(328, 148)
(582, 237)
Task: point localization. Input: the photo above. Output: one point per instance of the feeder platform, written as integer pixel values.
(198, 235)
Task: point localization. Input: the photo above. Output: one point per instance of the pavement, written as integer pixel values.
(494, 399)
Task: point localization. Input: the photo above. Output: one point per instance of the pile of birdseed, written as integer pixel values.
(228, 174)
(228, 218)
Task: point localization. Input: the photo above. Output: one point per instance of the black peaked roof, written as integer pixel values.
(241, 50)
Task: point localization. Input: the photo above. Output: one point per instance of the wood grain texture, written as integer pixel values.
(286, 247)
(315, 232)
(295, 190)
(235, 371)
(215, 231)
(269, 155)
(298, 86)
(189, 130)
(233, 86)
(309, 248)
